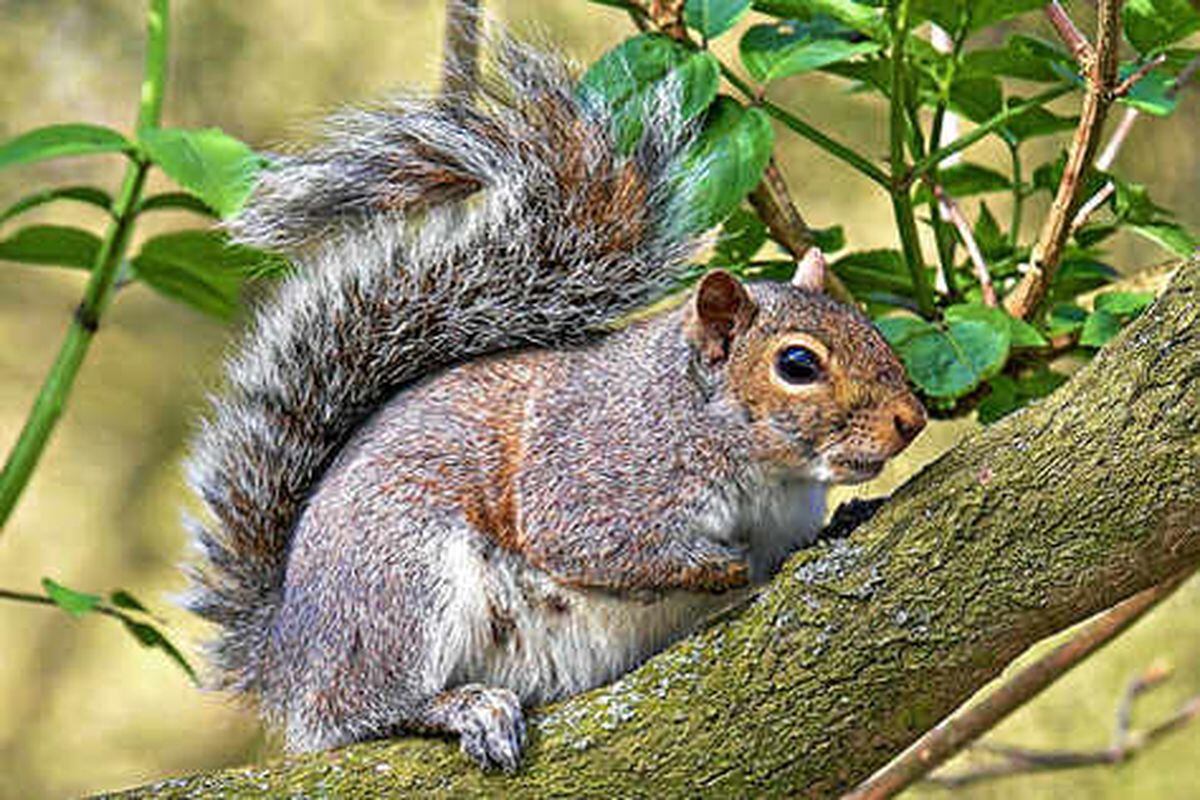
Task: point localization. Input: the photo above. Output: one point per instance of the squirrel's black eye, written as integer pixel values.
(798, 365)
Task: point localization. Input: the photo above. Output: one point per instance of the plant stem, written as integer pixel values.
(942, 42)
(998, 121)
(1018, 192)
(826, 143)
(906, 221)
(953, 734)
(1026, 297)
(56, 388)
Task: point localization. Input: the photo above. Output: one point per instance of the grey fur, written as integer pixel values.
(380, 300)
(413, 530)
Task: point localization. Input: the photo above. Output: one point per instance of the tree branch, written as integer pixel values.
(861, 645)
(952, 735)
(950, 210)
(1101, 73)
(1127, 743)
(1072, 37)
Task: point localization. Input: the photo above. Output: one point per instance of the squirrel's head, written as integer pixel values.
(823, 394)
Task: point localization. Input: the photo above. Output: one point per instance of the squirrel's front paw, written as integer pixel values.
(491, 726)
(716, 567)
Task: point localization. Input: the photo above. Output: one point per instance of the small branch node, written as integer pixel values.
(1073, 38)
(1124, 87)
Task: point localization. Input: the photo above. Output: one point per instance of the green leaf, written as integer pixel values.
(978, 99)
(58, 141)
(1151, 25)
(1007, 394)
(1078, 274)
(1125, 305)
(830, 239)
(1022, 334)
(966, 179)
(82, 194)
(625, 79)
(77, 604)
(725, 162)
(212, 165)
(1035, 122)
(865, 18)
(201, 269)
(1168, 235)
(149, 636)
(1065, 318)
(176, 201)
(123, 599)
(874, 269)
(714, 17)
(1002, 399)
(1021, 57)
(52, 245)
(1132, 203)
(788, 48)
(982, 12)
(988, 235)
(1093, 233)
(1154, 93)
(741, 237)
(952, 359)
(1099, 328)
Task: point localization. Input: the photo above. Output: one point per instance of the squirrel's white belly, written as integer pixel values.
(515, 626)
(518, 628)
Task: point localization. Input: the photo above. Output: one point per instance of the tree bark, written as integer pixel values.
(859, 646)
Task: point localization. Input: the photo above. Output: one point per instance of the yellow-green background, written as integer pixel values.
(82, 708)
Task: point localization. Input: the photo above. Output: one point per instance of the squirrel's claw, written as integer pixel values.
(491, 727)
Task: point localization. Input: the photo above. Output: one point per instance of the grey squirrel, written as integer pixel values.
(441, 485)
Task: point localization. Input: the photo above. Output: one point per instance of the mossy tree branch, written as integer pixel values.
(859, 646)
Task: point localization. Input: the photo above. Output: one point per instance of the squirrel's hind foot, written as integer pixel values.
(488, 720)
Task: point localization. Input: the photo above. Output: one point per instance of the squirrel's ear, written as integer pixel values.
(720, 309)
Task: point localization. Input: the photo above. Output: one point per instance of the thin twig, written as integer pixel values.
(460, 57)
(950, 210)
(1027, 296)
(991, 125)
(1126, 743)
(1093, 202)
(950, 736)
(1116, 141)
(1125, 86)
(1072, 37)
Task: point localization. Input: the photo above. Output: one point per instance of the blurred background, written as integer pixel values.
(82, 707)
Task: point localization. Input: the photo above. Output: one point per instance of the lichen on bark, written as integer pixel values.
(860, 645)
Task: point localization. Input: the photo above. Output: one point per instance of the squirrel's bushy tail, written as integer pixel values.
(426, 232)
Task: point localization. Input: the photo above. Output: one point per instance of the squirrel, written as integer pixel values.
(442, 482)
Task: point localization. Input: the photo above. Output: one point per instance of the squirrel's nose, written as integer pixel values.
(909, 419)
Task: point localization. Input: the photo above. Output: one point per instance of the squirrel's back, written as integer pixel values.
(426, 232)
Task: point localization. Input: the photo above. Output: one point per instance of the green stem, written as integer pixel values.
(42, 600)
(25, 597)
(825, 142)
(963, 142)
(1014, 227)
(902, 206)
(942, 232)
(56, 388)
